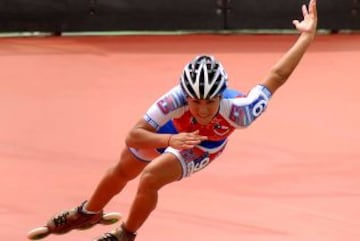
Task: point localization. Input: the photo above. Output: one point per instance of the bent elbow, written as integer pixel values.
(130, 139)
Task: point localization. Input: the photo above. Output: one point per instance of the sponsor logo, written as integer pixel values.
(221, 130)
(167, 104)
(194, 162)
(196, 166)
(151, 121)
(237, 114)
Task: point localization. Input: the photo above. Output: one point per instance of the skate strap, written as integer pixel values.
(84, 210)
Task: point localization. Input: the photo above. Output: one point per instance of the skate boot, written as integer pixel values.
(118, 234)
(75, 218)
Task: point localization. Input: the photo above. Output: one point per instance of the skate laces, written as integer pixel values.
(108, 237)
(61, 219)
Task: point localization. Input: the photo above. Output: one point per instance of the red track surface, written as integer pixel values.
(67, 103)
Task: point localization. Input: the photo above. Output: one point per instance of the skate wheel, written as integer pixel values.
(110, 218)
(38, 233)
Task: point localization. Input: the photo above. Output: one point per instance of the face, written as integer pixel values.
(204, 110)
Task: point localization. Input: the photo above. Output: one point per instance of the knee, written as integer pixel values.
(149, 180)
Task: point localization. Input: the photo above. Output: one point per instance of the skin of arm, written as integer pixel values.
(281, 71)
(143, 135)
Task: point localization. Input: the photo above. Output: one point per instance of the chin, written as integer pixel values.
(203, 121)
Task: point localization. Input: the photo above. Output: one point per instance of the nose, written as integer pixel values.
(203, 111)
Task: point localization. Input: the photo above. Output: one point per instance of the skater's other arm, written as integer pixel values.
(281, 71)
(143, 135)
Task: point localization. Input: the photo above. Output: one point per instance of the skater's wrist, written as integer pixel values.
(169, 140)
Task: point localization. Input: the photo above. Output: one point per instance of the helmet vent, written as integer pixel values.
(203, 78)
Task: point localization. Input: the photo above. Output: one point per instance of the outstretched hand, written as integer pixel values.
(309, 23)
(186, 140)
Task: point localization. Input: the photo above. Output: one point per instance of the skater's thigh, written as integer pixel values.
(162, 170)
(129, 166)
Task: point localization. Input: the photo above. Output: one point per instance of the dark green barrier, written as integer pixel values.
(278, 14)
(117, 15)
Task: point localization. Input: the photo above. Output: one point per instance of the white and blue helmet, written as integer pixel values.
(203, 78)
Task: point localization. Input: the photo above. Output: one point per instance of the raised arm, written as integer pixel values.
(281, 71)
